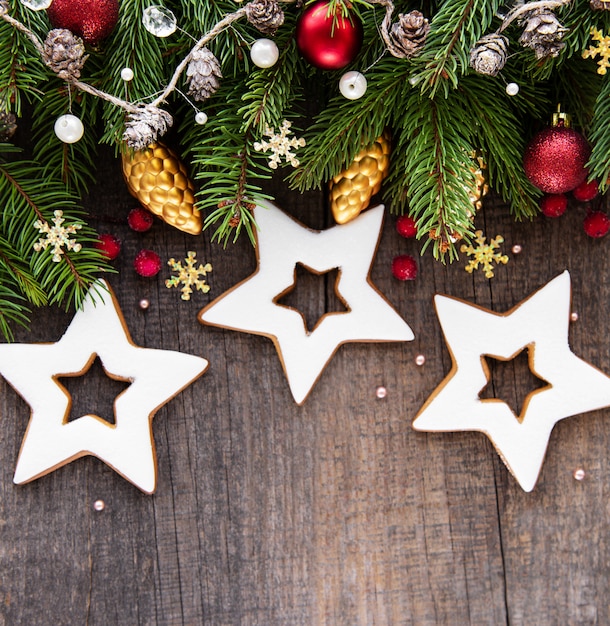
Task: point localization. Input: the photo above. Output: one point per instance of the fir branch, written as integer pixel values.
(344, 127)
(599, 136)
(454, 30)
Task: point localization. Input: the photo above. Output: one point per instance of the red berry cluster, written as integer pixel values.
(404, 266)
(596, 224)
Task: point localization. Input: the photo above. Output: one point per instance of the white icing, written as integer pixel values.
(127, 446)
(282, 243)
(470, 332)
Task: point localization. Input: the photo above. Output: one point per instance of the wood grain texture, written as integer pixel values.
(334, 513)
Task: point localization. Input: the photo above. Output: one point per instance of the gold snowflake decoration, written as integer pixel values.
(57, 236)
(484, 254)
(189, 275)
(602, 48)
(280, 145)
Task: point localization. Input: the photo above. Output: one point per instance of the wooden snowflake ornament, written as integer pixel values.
(156, 376)
(540, 323)
(252, 305)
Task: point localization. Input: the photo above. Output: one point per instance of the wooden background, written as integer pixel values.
(333, 513)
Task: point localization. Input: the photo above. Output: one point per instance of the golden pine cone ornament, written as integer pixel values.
(158, 179)
(352, 189)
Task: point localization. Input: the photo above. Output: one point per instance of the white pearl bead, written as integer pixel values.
(201, 117)
(127, 74)
(69, 128)
(264, 53)
(352, 85)
(512, 89)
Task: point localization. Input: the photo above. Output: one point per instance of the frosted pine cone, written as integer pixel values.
(408, 35)
(64, 53)
(600, 5)
(144, 126)
(203, 74)
(266, 15)
(8, 125)
(489, 54)
(543, 33)
(4, 7)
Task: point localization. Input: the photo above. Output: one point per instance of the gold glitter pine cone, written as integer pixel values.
(352, 189)
(158, 179)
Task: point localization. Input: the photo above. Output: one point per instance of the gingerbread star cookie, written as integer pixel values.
(252, 305)
(540, 324)
(156, 376)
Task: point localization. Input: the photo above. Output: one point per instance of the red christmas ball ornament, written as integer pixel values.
(406, 226)
(404, 267)
(554, 205)
(596, 224)
(555, 159)
(327, 41)
(585, 192)
(109, 245)
(147, 263)
(140, 220)
(93, 20)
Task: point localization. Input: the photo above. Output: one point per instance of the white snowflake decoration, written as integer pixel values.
(280, 145)
(57, 236)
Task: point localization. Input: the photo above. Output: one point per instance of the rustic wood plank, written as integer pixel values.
(332, 513)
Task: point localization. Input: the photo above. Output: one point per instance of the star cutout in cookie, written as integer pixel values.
(252, 305)
(156, 376)
(539, 323)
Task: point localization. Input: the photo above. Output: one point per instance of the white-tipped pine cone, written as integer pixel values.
(64, 53)
(488, 55)
(542, 33)
(203, 74)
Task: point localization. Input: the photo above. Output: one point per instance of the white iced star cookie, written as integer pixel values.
(251, 306)
(539, 323)
(156, 376)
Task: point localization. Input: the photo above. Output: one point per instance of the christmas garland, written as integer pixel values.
(455, 87)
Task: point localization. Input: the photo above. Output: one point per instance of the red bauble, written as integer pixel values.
(404, 267)
(109, 245)
(93, 20)
(596, 224)
(554, 205)
(328, 42)
(555, 159)
(406, 226)
(140, 220)
(585, 192)
(147, 263)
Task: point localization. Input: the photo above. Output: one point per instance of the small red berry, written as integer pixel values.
(406, 226)
(596, 224)
(109, 245)
(404, 267)
(586, 191)
(140, 220)
(147, 263)
(554, 205)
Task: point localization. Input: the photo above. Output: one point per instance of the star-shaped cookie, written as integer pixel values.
(539, 323)
(156, 376)
(252, 305)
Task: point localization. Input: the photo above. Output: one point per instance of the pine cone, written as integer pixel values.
(408, 35)
(203, 73)
(266, 15)
(600, 5)
(543, 33)
(352, 189)
(159, 180)
(8, 125)
(489, 54)
(144, 126)
(4, 7)
(64, 53)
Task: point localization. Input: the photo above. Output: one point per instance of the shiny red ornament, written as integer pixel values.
(93, 20)
(555, 159)
(327, 41)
